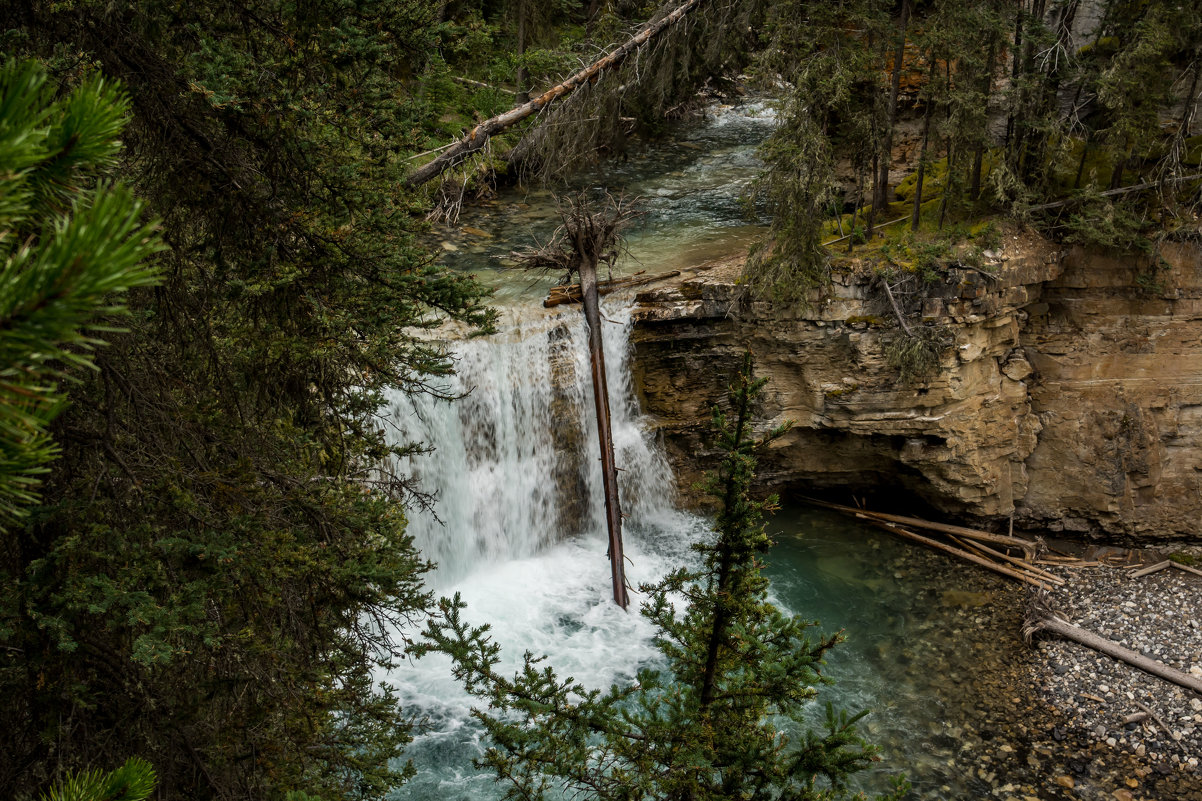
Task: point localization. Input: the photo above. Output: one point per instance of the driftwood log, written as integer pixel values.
(1041, 618)
(1151, 569)
(1187, 568)
(570, 293)
(1167, 563)
(1027, 546)
(961, 553)
(988, 552)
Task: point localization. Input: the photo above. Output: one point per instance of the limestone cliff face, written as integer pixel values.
(1119, 395)
(1071, 398)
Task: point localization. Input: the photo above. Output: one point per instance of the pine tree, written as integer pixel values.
(69, 244)
(220, 562)
(719, 720)
(835, 109)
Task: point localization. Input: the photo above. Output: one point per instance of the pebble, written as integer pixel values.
(1047, 722)
(1156, 615)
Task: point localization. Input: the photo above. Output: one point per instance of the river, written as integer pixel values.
(520, 528)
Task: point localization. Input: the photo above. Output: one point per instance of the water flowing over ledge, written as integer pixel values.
(516, 468)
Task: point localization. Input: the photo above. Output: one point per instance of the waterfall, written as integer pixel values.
(520, 528)
(516, 465)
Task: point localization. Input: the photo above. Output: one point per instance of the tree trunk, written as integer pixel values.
(947, 185)
(591, 14)
(609, 474)
(1081, 164)
(725, 564)
(870, 215)
(479, 136)
(855, 211)
(949, 170)
(880, 197)
(1015, 70)
(521, 78)
(1036, 147)
(1116, 177)
(974, 187)
(1177, 151)
(922, 155)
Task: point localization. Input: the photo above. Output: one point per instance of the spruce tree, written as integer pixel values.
(722, 715)
(219, 561)
(835, 108)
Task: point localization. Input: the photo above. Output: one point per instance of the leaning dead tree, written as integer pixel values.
(479, 136)
(591, 234)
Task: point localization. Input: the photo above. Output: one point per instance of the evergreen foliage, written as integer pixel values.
(216, 562)
(69, 243)
(722, 718)
(834, 110)
(133, 781)
(218, 565)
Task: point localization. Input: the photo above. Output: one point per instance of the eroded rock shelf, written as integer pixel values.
(1071, 398)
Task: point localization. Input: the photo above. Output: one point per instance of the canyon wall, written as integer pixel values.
(1071, 399)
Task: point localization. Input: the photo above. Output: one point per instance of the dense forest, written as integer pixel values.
(213, 272)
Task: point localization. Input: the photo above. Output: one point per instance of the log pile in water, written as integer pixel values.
(570, 293)
(968, 544)
(978, 547)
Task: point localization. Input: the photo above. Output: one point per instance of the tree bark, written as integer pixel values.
(725, 565)
(479, 136)
(977, 560)
(880, 196)
(521, 78)
(974, 189)
(570, 293)
(1015, 71)
(1027, 546)
(609, 474)
(922, 155)
(1122, 190)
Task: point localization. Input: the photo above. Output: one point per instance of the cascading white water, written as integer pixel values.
(522, 532)
(516, 466)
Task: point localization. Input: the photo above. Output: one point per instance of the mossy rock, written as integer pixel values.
(933, 180)
(1193, 151)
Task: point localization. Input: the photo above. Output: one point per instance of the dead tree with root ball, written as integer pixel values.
(590, 234)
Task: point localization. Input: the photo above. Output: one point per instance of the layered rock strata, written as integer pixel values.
(1070, 397)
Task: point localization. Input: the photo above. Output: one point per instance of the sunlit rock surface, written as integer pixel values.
(1071, 399)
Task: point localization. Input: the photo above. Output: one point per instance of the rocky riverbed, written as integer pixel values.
(1046, 721)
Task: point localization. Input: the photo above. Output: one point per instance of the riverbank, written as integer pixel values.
(1046, 722)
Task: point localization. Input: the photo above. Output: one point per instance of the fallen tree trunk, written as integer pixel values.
(1042, 618)
(1150, 569)
(1187, 568)
(478, 137)
(971, 557)
(989, 553)
(1027, 546)
(1120, 191)
(570, 293)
